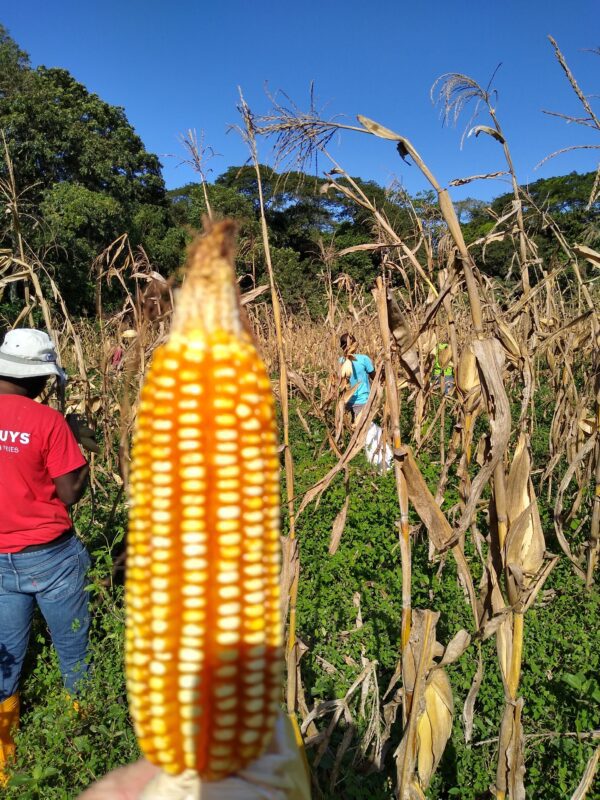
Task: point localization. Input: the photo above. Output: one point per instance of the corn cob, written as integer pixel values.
(204, 640)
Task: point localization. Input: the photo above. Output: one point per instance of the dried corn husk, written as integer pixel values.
(525, 544)
(434, 726)
(509, 342)
(429, 723)
(467, 380)
(427, 341)
(586, 421)
(444, 356)
(398, 322)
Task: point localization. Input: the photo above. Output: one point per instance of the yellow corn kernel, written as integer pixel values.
(204, 640)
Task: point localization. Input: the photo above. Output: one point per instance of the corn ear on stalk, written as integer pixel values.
(204, 639)
(346, 369)
(434, 725)
(467, 380)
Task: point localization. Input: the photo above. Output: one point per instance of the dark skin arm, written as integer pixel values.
(372, 376)
(70, 487)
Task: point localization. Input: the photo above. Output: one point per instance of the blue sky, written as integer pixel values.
(177, 65)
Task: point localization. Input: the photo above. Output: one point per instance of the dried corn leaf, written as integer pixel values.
(303, 421)
(429, 512)
(441, 534)
(469, 706)
(426, 341)
(355, 445)
(508, 339)
(410, 361)
(248, 297)
(339, 524)
(490, 358)
(455, 648)
(471, 178)
(587, 421)
(534, 588)
(588, 777)
(593, 256)
(378, 130)
(503, 744)
(486, 129)
(420, 647)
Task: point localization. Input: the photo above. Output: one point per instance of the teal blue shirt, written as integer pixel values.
(361, 366)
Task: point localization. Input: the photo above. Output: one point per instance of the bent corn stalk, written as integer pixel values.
(204, 634)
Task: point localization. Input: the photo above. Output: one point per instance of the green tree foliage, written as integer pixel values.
(82, 173)
(58, 131)
(563, 198)
(84, 177)
(303, 220)
(14, 64)
(76, 220)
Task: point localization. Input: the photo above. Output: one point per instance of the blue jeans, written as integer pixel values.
(53, 577)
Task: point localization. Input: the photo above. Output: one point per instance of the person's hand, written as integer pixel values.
(280, 773)
(82, 432)
(124, 783)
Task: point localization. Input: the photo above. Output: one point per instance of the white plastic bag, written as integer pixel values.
(376, 453)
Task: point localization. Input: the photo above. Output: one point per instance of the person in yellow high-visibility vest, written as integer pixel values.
(443, 369)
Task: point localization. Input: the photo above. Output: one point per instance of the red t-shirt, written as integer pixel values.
(36, 445)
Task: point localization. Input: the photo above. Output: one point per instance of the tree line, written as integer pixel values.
(83, 177)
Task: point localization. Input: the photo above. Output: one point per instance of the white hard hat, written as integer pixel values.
(27, 353)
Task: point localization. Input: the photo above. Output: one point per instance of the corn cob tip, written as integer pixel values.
(209, 294)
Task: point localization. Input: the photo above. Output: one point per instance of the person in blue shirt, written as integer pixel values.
(359, 371)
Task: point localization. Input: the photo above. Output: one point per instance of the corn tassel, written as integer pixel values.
(204, 639)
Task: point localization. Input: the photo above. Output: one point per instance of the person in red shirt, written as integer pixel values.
(42, 473)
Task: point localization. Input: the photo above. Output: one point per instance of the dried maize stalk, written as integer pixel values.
(204, 639)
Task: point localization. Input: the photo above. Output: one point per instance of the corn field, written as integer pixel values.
(511, 348)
